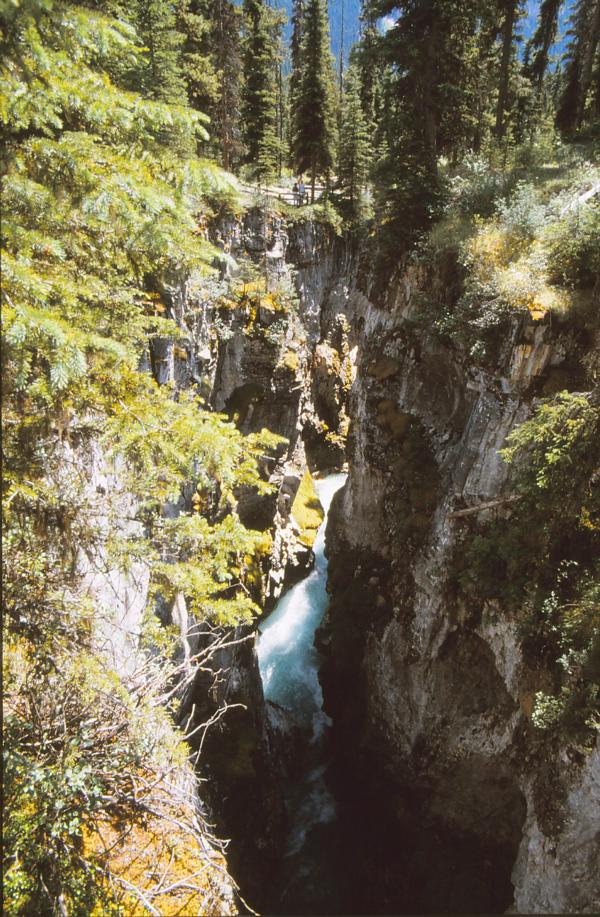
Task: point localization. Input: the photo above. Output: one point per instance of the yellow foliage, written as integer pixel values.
(492, 248)
(16, 661)
(262, 549)
(586, 521)
(523, 285)
(264, 544)
(516, 268)
(158, 860)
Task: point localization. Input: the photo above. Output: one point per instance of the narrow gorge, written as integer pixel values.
(446, 797)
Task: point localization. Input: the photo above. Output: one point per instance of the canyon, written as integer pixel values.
(461, 805)
(446, 797)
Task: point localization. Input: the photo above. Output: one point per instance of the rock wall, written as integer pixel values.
(281, 357)
(430, 701)
(461, 807)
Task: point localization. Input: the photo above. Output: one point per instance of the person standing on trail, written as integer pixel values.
(301, 190)
(296, 191)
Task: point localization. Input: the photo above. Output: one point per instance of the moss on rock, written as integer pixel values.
(307, 510)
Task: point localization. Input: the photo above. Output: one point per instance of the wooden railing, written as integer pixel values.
(282, 193)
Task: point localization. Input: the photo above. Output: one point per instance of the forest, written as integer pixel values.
(133, 133)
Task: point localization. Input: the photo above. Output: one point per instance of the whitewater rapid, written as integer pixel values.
(289, 665)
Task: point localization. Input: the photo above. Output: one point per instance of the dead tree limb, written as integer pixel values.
(489, 504)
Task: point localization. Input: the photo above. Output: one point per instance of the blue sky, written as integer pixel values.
(351, 10)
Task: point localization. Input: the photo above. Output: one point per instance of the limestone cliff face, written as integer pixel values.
(431, 700)
(284, 360)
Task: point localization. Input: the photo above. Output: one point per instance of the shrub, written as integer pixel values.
(475, 187)
(307, 510)
(522, 215)
(572, 245)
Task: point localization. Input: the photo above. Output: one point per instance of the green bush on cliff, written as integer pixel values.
(323, 211)
(540, 560)
(572, 245)
(533, 250)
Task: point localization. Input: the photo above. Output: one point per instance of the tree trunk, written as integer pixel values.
(313, 178)
(429, 111)
(280, 118)
(507, 44)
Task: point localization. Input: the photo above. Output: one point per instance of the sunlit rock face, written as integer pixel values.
(431, 700)
(445, 800)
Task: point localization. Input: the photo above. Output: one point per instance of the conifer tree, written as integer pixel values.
(160, 73)
(261, 51)
(157, 72)
(429, 107)
(213, 70)
(195, 23)
(369, 66)
(543, 38)
(313, 116)
(510, 10)
(591, 30)
(226, 113)
(296, 50)
(282, 110)
(354, 144)
(579, 69)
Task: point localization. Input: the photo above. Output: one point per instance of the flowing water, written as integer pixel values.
(332, 859)
(289, 666)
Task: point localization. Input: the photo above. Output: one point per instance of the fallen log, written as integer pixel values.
(490, 504)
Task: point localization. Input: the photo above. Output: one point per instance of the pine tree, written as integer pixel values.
(579, 69)
(260, 96)
(226, 113)
(596, 86)
(282, 111)
(313, 116)
(158, 71)
(542, 40)
(202, 82)
(296, 50)
(369, 65)
(510, 10)
(213, 71)
(430, 87)
(355, 146)
(486, 67)
(589, 53)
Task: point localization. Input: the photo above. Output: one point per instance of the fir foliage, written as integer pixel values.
(543, 38)
(313, 116)
(211, 60)
(260, 96)
(355, 146)
(580, 67)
